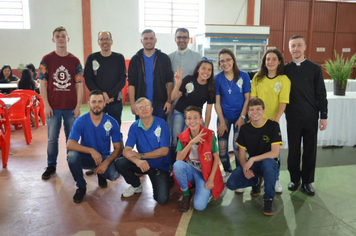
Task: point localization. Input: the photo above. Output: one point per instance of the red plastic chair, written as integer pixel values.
(5, 131)
(19, 114)
(37, 110)
(125, 90)
(2, 95)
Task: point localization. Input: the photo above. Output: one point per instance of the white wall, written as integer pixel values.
(121, 17)
(29, 46)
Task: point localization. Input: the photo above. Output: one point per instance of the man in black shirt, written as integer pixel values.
(306, 104)
(262, 139)
(106, 71)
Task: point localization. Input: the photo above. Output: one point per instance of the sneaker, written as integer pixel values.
(226, 177)
(132, 190)
(50, 170)
(256, 190)
(240, 190)
(278, 187)
(90, 172)
(184, 204)
(79, 195)
(102, 182)
(268, 207)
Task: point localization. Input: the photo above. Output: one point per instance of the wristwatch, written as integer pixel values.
(243, 117)
(141, 155)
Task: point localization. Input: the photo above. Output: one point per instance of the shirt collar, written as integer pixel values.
(181, 52)
(300, 63)
(140, 125)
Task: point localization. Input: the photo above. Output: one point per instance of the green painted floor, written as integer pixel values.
(332, 211)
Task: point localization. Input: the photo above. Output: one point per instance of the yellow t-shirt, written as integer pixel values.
(272, 92)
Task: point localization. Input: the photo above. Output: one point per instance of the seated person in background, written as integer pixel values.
(95, 129)
(26, 82)
(151, 136)
(197, 162)
(262, 139)
(32, 68)
(6, 76)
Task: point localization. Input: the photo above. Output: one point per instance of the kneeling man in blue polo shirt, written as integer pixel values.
(96, 130)
(151, 136)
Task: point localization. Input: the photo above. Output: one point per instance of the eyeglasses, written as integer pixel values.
(105, 39)
(182, 37)
(144, 107)
(227, 60)
(205, 59)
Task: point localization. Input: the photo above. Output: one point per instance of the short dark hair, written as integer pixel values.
(255, 102)
(101, 31)
(96, 92)
(297, 36)
(59, 29)
(185, 30)
(192, 108)
(146, 31)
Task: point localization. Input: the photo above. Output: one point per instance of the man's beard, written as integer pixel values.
(97, 112)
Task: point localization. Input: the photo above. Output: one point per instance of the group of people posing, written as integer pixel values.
(170, 136)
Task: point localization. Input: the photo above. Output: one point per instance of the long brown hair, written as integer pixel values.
(235, 68)
(211, 82)
(263, 71)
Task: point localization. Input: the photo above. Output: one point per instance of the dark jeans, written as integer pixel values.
(308, 130)
(114, 110)
(268, 169)
(159, 178)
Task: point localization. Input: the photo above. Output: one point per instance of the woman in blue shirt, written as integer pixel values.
(232, 95)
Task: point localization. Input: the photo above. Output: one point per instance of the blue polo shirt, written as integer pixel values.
(97, 137)
(155, 137)
(232, 103)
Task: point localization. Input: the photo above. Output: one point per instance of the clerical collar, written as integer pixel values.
(299, 63)
(181, 52)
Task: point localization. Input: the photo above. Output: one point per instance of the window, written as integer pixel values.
(14, 14)
(165, 16)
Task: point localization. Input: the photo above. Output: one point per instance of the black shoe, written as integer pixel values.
(308, 189)
(50, 170)
(79, 195)
(90, 172)
(102, 182)
(184, 204)
(268, 207)
(293, 186)
(256, 190)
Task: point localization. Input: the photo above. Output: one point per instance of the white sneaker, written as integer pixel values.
(240, 190)
(132, 190)
(278, 187)
(226, 177)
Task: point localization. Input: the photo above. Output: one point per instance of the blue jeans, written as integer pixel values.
(159, 178)
(185, 173)
(224, 145)
(268, 169)
(53, 128)
(178, 126)
(114, 110)
(78, 161)
(157, 111)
